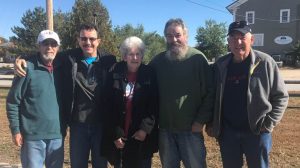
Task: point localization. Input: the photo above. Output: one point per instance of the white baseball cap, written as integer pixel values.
(48, 34)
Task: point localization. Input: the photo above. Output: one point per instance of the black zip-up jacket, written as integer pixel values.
(144, 113)
(69, 61)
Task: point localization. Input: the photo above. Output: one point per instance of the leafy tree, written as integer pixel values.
(122, 32)
(66, 25)
(211, 39)
(33, 23)
(61, 27)
(25, 39)
(155, 44)
(153, 41)
(2, 50)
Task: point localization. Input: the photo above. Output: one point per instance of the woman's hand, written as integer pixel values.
(139, 135)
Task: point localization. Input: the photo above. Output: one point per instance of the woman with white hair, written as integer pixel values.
(131, 109)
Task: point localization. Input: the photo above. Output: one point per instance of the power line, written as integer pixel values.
(256, 18)
(205, 6)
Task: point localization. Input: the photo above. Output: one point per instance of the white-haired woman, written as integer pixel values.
(131, 103)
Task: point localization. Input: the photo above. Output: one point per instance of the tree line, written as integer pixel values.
(211, 39)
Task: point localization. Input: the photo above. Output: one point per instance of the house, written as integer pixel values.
(275, 24)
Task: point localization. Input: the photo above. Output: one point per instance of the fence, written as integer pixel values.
(5, 83)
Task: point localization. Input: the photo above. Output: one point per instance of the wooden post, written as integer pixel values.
(49, 11)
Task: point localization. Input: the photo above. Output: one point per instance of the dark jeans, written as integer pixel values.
(86, 138)
(146, 163)
(233, 144)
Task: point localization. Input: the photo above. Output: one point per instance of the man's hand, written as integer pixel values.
(139, 135)
(18, 139)
(18, 67)
(197, 127)
(264, 130)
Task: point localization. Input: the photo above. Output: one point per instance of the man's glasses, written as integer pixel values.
(85, 39)
(49, 43)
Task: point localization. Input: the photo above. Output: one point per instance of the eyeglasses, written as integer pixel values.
(49, 43)
(85, 39)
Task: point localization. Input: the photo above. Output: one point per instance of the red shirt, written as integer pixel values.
(129, 90)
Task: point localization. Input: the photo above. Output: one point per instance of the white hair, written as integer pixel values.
(132, 42)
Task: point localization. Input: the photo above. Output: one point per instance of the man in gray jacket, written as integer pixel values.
(250, 101)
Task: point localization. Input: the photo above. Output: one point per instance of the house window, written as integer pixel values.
(284, 15)
(258, 40)
(250, 17)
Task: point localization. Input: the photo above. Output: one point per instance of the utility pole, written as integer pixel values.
(49, 11)
(95, 18)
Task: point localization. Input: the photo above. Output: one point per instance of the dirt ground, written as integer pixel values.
(286, 137)
(290, 73)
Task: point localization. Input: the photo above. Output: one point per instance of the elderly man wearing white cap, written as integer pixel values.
(83, 71)
(32, 108)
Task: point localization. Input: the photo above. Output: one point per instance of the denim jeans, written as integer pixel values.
(234, 144)
(184, 146)
(86, 138)
(49, 151)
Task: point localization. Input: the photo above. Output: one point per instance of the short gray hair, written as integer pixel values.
(132, 42)
(177, 22)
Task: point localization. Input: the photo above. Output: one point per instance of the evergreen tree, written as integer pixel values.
(33, 23)
(25, 39)
(211, 39)
(91, 11)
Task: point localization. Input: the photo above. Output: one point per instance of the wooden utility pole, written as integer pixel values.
(49, 11)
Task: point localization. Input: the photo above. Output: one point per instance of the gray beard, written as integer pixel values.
(178, 54)
(47, 58)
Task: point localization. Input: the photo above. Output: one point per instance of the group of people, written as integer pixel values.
(123, 112)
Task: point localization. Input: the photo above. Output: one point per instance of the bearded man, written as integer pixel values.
(185, 98)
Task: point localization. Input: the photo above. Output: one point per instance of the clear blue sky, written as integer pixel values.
(152, 14)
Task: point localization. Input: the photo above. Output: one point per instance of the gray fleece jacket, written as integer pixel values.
(267, 96)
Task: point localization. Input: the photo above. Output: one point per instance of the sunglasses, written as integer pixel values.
(49, 43)
(85, 39)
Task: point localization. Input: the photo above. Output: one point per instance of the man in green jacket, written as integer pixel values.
(33, 111)
(185, 99)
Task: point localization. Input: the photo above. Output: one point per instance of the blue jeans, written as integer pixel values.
(234, 144)
(183, 145)
(86, 138)
(49, 151)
